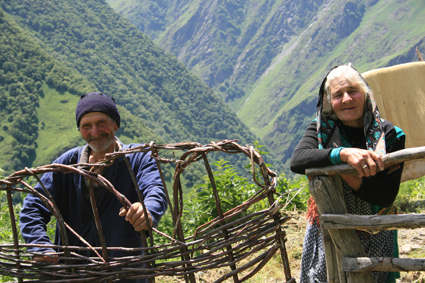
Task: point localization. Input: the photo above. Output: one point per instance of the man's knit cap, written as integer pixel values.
(97, 102)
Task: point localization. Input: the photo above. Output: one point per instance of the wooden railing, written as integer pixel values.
(346, 259)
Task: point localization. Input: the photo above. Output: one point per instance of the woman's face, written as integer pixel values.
(347, 100)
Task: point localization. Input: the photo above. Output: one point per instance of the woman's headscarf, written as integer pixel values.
(328, 133)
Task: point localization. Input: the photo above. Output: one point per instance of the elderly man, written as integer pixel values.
(97, 119)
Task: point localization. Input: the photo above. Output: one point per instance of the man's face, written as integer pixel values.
(99, 131)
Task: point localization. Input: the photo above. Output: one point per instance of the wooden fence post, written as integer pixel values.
(333, 267)
(327, 194)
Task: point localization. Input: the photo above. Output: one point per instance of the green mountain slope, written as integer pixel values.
(121, 61)
(228, 43)
(38, 96)
(111, 55)
(384, 34)
(266, 59)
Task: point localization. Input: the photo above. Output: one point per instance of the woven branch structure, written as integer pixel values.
(247, 243)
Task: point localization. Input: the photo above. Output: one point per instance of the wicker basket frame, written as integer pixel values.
(218, 243)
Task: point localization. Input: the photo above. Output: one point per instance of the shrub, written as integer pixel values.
(411, 195)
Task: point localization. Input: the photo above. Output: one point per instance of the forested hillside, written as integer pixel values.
(38, 96)
(27, 71)
(267, 58)
(92, 41)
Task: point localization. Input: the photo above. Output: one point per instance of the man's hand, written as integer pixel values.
(53, 258)
(136, 216)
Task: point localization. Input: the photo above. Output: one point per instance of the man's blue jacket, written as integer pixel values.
(76, 210)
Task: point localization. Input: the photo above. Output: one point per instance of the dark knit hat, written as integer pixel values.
(97, 102)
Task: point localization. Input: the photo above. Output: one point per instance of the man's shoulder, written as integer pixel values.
(130, 145)
(71, 156)
(138, 157)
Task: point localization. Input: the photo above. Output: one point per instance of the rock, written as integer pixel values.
(408, 248)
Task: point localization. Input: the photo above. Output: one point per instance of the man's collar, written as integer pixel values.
(85, 153)
(118, 145)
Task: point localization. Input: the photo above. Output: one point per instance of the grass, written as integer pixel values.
(56, 123)
(59, 130)
(411, 197)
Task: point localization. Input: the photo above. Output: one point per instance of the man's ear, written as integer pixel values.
(115, 126)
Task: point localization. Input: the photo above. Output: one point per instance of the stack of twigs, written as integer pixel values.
(252, 239)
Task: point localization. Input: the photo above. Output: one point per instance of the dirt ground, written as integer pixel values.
(412, 245)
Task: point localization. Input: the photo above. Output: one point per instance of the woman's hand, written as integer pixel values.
(364, 161)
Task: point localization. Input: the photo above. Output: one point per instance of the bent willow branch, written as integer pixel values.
(234, 236)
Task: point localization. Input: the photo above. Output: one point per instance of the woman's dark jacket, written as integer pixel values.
(380, 189)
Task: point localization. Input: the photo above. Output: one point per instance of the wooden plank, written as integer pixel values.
(387, 264)
(329, 200)
(331, 256)
(342, 274)
(390, 159)
(373, 223)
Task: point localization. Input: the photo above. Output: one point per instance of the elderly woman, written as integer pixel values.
(349, 129)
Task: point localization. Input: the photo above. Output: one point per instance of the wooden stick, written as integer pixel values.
(390, 159)
(373, 223)
(387, 264)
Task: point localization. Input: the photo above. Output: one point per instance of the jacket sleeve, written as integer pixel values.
(307, 154)
(34, 215)
(382, 189)
(151, 186)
